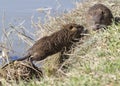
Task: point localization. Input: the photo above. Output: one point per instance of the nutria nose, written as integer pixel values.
(96, 27)
(99, 26)
(85, 31)
(80, 27)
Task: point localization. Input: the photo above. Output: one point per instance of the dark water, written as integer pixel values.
(15, 11)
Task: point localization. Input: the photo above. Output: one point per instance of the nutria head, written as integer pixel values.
(100, 16)
(75, 30)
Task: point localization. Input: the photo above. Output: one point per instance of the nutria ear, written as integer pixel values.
(73, 29)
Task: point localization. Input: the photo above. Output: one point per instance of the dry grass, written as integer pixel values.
(16, 71)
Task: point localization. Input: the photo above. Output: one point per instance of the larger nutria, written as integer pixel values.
(99, 16)
(54, 43)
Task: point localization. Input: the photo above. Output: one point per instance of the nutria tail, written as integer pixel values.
(23, 58)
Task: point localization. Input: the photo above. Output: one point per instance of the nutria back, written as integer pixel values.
(99, 16)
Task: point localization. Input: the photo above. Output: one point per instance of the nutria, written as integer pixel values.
(100, 16)
(54, 43)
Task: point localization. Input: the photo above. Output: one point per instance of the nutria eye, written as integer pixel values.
(71, 27)
(103, 13)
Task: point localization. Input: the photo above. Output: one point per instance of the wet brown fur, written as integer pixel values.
(54, 43)
(99, 16)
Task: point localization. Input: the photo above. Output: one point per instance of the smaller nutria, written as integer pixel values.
(54, 43)
(99, 16)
